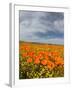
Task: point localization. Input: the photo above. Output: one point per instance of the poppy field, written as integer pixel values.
(37, 60)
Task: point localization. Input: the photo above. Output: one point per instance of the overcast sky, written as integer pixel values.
(44, 27)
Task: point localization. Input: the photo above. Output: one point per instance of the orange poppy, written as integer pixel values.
(24, 54)
(31, 54)
(50, 64)
(29, 60)
(44, 62)
(36, 61)
(59, 62)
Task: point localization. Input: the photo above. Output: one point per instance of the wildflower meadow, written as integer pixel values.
(38, 60)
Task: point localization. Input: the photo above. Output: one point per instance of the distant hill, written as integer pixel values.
(41, 43)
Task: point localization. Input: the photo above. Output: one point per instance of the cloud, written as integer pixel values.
(49, 34)
(36, 26)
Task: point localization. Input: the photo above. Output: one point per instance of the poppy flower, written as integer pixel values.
(59, 62)
(24, 54)
(50, 64)
(29, 60)
(44, 62)
(31, 54)
(36, 61)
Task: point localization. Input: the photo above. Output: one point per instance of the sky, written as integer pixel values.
(42, 27)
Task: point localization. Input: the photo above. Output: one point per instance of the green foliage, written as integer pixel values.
(31, 70)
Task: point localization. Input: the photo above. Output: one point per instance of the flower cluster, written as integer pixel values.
(40, 61)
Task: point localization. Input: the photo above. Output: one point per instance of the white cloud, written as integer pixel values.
(59, 25)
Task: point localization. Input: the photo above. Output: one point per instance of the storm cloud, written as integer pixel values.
(40, 26)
